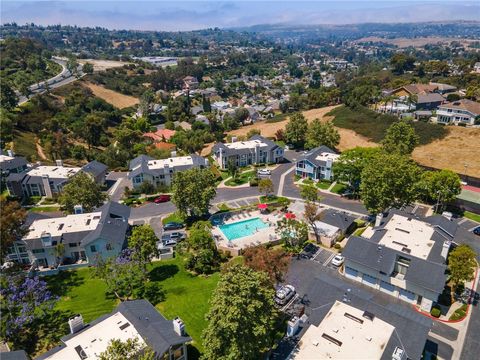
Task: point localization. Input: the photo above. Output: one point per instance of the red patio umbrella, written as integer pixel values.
(262, 206)
(290, 215)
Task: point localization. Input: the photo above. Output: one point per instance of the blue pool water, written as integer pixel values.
(242, 228)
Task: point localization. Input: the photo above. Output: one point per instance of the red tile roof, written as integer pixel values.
(160, 134)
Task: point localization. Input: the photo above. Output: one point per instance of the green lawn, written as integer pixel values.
(373, 125)
(241, 179)
(44, 209)
(339, 188)
(472, 216)
(324, 184)
(186, 295)
(173, 217)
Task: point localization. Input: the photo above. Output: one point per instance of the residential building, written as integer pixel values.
(190, 82)
(136, 319)
(316, 164)
(462, 111)
(428, 101)
(256, 150)
(332, 226)
(48, 181)
(84, 236)
(161, 172)
(405, 256)
(221, 106)
(12, 164)
(160, 135)
(349, 332)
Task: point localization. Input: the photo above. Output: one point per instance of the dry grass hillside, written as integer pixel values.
(116, 99)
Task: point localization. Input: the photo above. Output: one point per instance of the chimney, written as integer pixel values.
(78, 209)
(179, 326)
(75, 323)
(292, 326)
(234, 139)
(10, 153)
(173, 154)
(378, 220)
(59, 162)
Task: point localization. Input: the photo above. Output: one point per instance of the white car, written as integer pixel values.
(284, 294)
(264, 172)
(338, 260)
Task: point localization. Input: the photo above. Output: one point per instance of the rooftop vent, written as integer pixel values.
(398, 354)
(80, 352)
(78, 209)
(332, 339)
(75, 323)
(124, 326)
(406, 250)
(402, 230)
(368, 315)
(354, 318)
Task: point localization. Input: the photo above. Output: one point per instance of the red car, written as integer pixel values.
(162, 199)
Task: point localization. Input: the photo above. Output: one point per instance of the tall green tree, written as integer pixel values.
(265, 186)
(389, 180)
(309, 193)
(293, 233)
(81, 190)
(202, 254)
(143, 242)
(242, 316)
(93, 129)
(8, 98)
(131, 349)
(192, 191)
(232, 168)
(12, 218)
(400, 138)
(462, 264)
(440, 186)
(322, 133)
(349, 166)
(296, 130)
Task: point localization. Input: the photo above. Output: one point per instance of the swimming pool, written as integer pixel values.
(242, 228)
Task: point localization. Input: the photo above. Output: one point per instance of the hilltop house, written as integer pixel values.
(161, 172)
(405, 256)
(49, 180)
(316, 164)
(458, 112)
(135, 319)
(190, 82)
(84, 236)
(256, 150)
(12, 164)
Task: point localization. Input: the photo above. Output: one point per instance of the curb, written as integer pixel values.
(451, 321)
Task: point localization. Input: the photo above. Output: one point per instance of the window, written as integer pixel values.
(93, 248)
(38, 251)
(109, 247)
(22, 249)
(72, 245)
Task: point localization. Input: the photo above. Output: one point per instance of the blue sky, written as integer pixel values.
(198, 14)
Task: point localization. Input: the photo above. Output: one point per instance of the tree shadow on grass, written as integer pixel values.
(163, 272)
(60, 284)
(193, 353)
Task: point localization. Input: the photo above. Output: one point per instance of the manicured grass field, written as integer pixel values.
(472, 216)
(241, 179)
(339, 188)
(44, 209)
(186, 295)
(323, 184)
(173, 217)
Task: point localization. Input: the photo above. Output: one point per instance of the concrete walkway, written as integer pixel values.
(282, 181)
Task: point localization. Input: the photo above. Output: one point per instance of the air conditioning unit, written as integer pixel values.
(75, 323)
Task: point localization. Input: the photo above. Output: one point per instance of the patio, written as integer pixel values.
(259, 237)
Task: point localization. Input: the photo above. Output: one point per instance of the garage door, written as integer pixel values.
(406, 295)
(369, 280)
(387, 287)
(351, 273)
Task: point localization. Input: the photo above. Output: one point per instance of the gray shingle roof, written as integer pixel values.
(14, 355)
(14, 163)
(271, 145)
(95, 168)
(312, 154)
(339, 219)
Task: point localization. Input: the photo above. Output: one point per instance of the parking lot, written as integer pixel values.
(320, 255)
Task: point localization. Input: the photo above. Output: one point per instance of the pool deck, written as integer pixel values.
(261, 236)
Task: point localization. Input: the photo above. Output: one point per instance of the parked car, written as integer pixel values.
(338, 260)
(476, 231)
(162, 199)
(264, 172)
(169, 242)
(177, 235)
(284, 294)
(173, 226)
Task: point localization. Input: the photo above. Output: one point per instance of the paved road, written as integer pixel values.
(64, 78)
(471, 346)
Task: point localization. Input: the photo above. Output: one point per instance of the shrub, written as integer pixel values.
(460, 313)
(308, 181)
(337, 246)
(253, 182)
(436, 312)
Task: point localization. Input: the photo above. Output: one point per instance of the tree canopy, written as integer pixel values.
(440, 186)
(400, 138)
(274, 262)
(12, 218)
(296, 130)
(322, 133)
(242, 316)
(131, 349)
(462, 264)
(265, 186)
(192, 191)
(389, 180)
(143, 242)
(81, 190)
